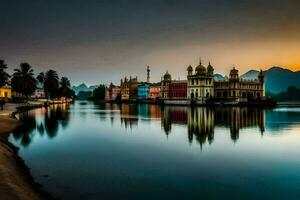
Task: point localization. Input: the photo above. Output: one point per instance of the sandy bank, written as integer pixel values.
(16, 182)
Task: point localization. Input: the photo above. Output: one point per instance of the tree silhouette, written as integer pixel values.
(51, 84)
(23, 81)
(4, 77)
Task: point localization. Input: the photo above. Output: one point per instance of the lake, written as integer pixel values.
(108, 151)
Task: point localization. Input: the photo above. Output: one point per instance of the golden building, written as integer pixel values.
(129, 88)
(5, 93)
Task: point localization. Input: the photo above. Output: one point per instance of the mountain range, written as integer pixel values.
(83, 87)
(277, 79)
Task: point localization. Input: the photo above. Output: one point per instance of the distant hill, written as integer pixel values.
(83, 87)
(277, 78)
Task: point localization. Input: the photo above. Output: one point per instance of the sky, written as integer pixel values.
(98, 41)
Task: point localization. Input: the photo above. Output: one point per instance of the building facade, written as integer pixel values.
(202, 86)
(177, 90)
(129, 89)
(200, 82)
(112, 92)
(5, 93)
(240, 89)
(154, 91)
(164, 85)
(143, 90)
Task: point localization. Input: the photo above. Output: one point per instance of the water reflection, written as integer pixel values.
(42, 121)
(200, 122)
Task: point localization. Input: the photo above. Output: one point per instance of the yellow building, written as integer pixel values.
(5, 93)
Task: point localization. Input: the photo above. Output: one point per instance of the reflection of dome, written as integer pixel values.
(167, 76)
(200, 69)
(190, 68)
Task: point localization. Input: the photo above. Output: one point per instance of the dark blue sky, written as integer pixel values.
(101, 41)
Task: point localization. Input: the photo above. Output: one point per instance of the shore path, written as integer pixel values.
(15, 181)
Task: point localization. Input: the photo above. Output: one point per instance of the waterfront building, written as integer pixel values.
(5, 93)
(164, 85)
(177, 89)
(154, 91)
(129, 88)
(202, 86)
(143, 90)
(39, 92)
(201, 82)
(240, 89)
(112, 92)
(124, 86)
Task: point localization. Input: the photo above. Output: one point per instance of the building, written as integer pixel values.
(143, 90)
(154, 91)
(177, 90)
(124, 87)
(164, 85)
(201, 82)
(129, 89)
(240, 89)
(5, 93)
(39, 92)
(202, 86)
(112, 92)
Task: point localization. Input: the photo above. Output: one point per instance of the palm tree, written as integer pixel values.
(23, 81)
(51, 84)
(4, 77)
(65, 88)
(41, 77)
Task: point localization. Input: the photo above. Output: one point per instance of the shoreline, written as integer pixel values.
(16, 181)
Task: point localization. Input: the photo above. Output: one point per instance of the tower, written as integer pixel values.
(148, 74)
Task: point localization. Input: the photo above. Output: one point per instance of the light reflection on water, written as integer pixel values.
(128, 151)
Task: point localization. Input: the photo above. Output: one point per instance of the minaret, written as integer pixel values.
(148, 74)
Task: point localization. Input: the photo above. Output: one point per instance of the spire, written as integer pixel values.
(200, 62)
(148, 74)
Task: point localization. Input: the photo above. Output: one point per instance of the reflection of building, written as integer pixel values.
(201, 121)
(154, 91)
(201, 125)
(112, 92)
(5, 93)
(201, 85)
(143, 90)
(238, 118)
(129, 114)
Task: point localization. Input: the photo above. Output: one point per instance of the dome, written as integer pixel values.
(190, 68)
(209, 67)
(200, 69)
(167, 76)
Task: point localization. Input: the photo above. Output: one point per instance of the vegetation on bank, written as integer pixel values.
(291, 94)
(24, 82)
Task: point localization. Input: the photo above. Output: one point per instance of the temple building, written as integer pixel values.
(202, 86)
(112, 92)
(164, 85)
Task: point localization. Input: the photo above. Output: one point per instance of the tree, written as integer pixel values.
(23, 81)
(4, 77)
(65, 88)
(99, 93)
(51, 84)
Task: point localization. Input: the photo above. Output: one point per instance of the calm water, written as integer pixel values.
(88, 151)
